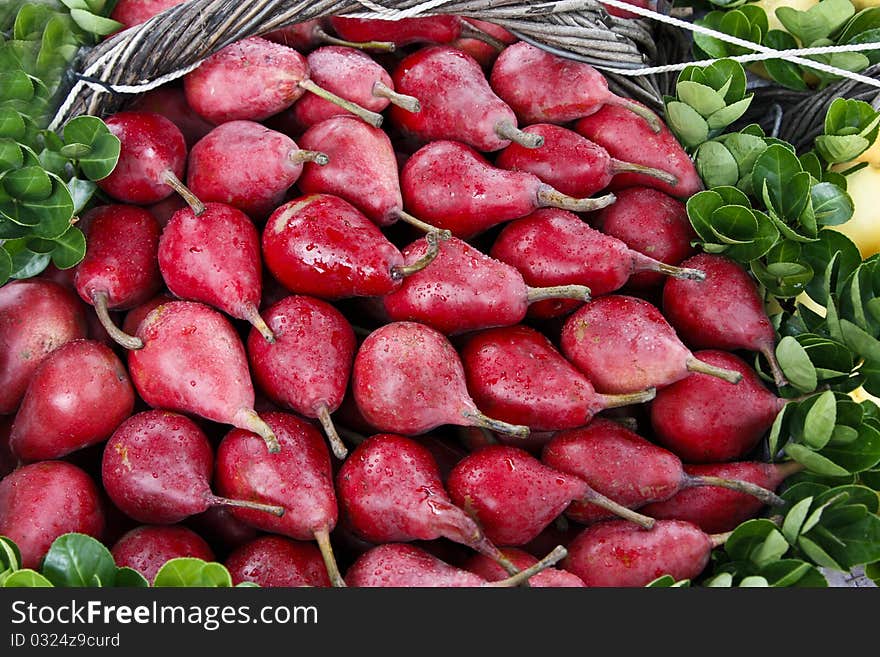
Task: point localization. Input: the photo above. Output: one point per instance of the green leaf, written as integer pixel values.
(820, 420)
(851, 494)
(784, 72)
(745, 149)
(703, 99)
(832, 244)
(10, 556)
(25, 263)
(779, 171)
(98, 24)
(721, 580)
(28, 184)
(837, 149)
(792, 572)
(101, 160)
(727, 115)
(747, 538)
(216, 575)
(727, 75)
(187, 571)
(858, 455)
(794, 519)
(832, 205)
(765, 237)
(11, 156)
(84, 130)
(716, 166)
(818, 22)
(26, 578)
(12, 124)
(81, 192)
(796, 364)
(79, 560)
(70, 249)
(754, 581)
(772, 549)
(5, 266)
(860, 341)
(15, 85)
(861, 542)
(74, 151)
(776, 430)
(129, 578)
(813, 461)
(687, 124)
(817, 554)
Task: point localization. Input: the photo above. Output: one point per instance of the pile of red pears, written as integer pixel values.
(390, 303)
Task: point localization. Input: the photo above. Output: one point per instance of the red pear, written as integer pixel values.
(489, 570)
(321, 245)
(516, 374)
(248, 166)
(41, 501)
(457, 102)
(135, 12)
(135, 316)
(553, 247)
(170, 102)
(36, 317)
(308, 35)
(513, 496)
(214, 258)
(465, 290)
(652, 223)
(545, 88)
(299, 479)
(452, 186)
(623, 344)
(307, 368)
(703, 419)
(570, 162)
(121, 268)
(194, 362)
(147, 548)
(724, 311)
(408, 379)
(157, 469)
(275, 561)
(77, 397)
(8, 460)
(406, 31)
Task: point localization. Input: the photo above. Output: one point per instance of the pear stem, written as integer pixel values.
(409, 103)
(558, 554)
(99, 299)
(617, 166)
(579, 292)
(382, 46)
(406, 217)
(300, 156)
(641, 262)
(594, 497)
(788, 468)
(399, 272)
(638, 110)
(247, 419)
(471, 31)
(476, 419)
(322, 536)
(244, 504)
(506, 130)
(615, 401)
(770, 354)
(340, 451)
(185, 193)
(552, 198)
(372, 118)
(694, 364)
(484, 546)
(718, 540)
(747, 487)
(252, 315)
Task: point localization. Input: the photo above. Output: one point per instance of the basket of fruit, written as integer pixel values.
(430, 294)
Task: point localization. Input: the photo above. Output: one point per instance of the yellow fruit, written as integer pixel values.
(864, 226)
(770, 7)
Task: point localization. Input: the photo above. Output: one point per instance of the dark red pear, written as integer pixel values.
(403, 565)
(41, 501)
(489, 570)
(221, 529)
(714, 509)
(147, 548)
(617, 553)
(553, 247)
(248, 166)
(465, 290)
(479, 48)
(406, 31)
(624, 344)
(157, 469)
(350, 74)
(36, 317)
(457, 102)
(652, 223)
(629, 469)
(703, 419)
(513, 496)
(308, 367)
(545, 88)
(452, 186)
(308, 35)
(299, 479)
(724, 311)
(194, 362)
(214, 258)
(254, 78)
(322, 246)
(152, 159)
(570, 162)
(515, 374)
(362, 170)
(77, 397)
(170, 101)
(120, 269)
(8, 460)
(627, 137)
(275, 561)
(408, 379)
(135, 12)
(390, 492)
